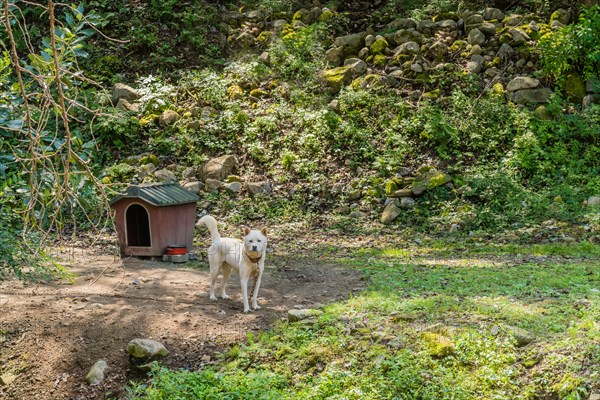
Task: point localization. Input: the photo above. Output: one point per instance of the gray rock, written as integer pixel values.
(357, 65)
(593, 201)
(335, 55)
(407, 203)
(391, 212)
(473, 21)
(168, 118)
(476, 37)
(299, 315)
(244, 40)
(505, 51)
(476, 49)
(475, 66)
(518, 36)
(278, 25)
(521, 83)
(164, 175)
(405, 36)
(218, 168)
(594, 396)
(531, 96)
(352, 41)
(492, 72)
(592, 86)
(364, 53)
(335, 105)
(521, 336)
(189, 173)
(438, 50)
(561, 15)
(590, 99)
(125, 105)
(195, 186)
(233, 187)
(427, 27)
(513, 20)
(262, 187)
(265, 58)
(488, 29)
(402, 23)
(493, 14)
(410, 48)
(369, 40)
(212, 185)
(208, 112)
(357, 214)
(96, 374)
(448, 25)
(146, 349)
(122, 91)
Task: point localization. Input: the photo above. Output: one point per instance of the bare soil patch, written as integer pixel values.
(52, 333)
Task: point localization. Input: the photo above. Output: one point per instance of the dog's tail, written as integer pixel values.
(211, 224)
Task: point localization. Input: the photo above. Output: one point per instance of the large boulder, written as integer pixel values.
(533, 96)
(521, 83)
(122, 91)
(218, 168)
(146, 349)
(350, 44)
(475, 65)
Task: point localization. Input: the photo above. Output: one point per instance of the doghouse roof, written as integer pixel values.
(158, 194)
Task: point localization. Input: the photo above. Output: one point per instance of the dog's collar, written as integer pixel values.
(253, 260)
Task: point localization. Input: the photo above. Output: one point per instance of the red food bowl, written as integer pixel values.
(175, 250)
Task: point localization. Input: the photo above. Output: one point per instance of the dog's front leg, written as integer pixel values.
(256, 287)
(244, 285)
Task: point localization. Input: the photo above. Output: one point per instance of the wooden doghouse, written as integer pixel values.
(150, 218)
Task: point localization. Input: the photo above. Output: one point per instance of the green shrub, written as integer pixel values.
(574, 47)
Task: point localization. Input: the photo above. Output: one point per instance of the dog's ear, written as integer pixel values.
(264, 231)
(245, 230)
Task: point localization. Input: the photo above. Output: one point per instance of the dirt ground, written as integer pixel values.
(52, 333)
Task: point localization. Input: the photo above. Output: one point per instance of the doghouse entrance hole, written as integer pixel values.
(138, 226)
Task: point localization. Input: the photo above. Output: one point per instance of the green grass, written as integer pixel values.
(434, 323)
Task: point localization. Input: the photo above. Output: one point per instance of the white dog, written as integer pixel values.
(247, 256)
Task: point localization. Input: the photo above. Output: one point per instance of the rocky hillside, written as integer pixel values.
(451, 121)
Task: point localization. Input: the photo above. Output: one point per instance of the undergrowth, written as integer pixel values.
(429, 326)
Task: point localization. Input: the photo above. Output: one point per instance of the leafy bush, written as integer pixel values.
(574, 47)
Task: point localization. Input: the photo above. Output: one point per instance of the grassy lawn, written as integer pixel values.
(436, 322)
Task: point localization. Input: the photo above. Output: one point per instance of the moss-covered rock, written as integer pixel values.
(259, 93)
(379, 46)
(429, 178)
(335, 78)
(574, 86)
(235, 92)
(439, 346)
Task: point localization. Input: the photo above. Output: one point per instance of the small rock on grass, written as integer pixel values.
(299, 315)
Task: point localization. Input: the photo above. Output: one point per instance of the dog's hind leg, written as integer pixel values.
(226, 272)
(214, 274)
